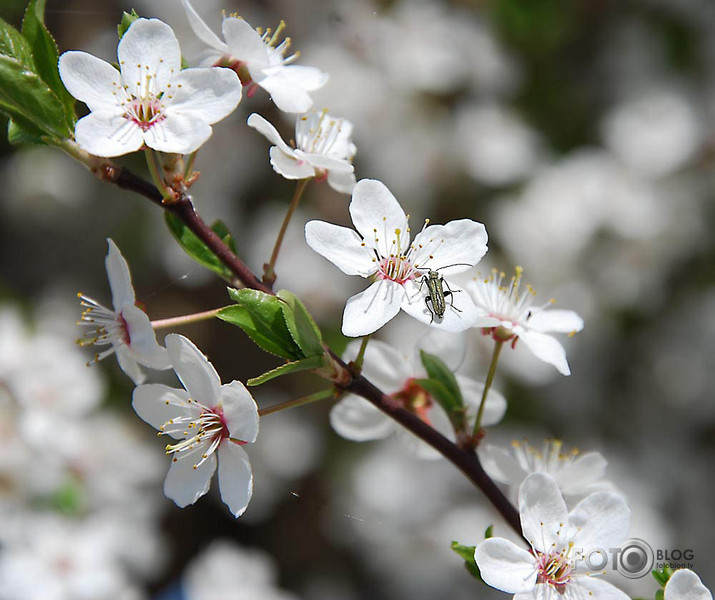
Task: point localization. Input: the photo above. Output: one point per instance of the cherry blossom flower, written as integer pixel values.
(686, 585)
(577, 475)
(207, 419)
(150, 100)
(553, 567)
(508, 313)
(126, 329)
(323, 149)
(383, 253)
(263, 55)
(395, 373)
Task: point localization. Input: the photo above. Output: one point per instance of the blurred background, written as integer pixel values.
(580, 132)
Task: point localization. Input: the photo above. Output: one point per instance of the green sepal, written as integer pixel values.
(195, 248)
(46, 56)
(126, 22)
(14, 45)
(302, 327)
(467, 554)
(26, 98)
(260, 315)
(295, 366)
(489, 532)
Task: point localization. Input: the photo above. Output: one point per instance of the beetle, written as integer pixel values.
(435, 299)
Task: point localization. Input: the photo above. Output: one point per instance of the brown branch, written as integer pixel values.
(465, 460)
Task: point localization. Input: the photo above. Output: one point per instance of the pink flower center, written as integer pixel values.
(415, 398)
(144, 112)
(554, 569)
(397, 269)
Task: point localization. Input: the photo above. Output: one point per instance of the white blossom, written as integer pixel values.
(150, 100)
(552, 568)
(686, 585)
(126, 329)
(207, 419)
(396, 374)
(381, 251)
(508, 313)
(263, 54)
(324, 149)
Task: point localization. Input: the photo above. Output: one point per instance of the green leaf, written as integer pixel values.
(436, 369)
(25, 98)
(489, 532)
(662, 575)
(303, 364)
(467, 554)
(46, 55)
(16, 134)
(260, 315)
(14, 45)
(194, 247)
(125, 23)
(301, 325)
(660, 595)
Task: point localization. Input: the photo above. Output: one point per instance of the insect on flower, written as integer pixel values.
(435, 299)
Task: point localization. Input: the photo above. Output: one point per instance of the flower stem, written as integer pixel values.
(186, 319)
(269, 275)
(321, 395)
(357, 363)
(488, 384)
(151, 162)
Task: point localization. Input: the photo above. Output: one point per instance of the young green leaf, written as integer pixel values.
(436, 369)
(16, 134)
(489, 532)
(125, 23)
(303, 364)
(194, 247)
(26, 98)
(301, 325)
(14, 45)
(46, 55)
(260, 315)
(220, 229)
(467, 554)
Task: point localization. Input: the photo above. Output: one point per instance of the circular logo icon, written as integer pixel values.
(635, 559)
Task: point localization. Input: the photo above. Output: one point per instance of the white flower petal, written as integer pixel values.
(369, 310)
(149, 56)
(342, 181)
(594, 587)
(142, 340)
(157, 404)
(563, 321)
(326, 162)
(177, 133)
(206, 94)
(244, 43)
(341, 246)
(376, 215)
(387, 368)
(202, 30)
(505, 566)
(448, 346)
(194, 370)
(459, 313)
(108, 134)
(289, 165)
(546, 348)
(184, 484)
(92, 81)
(240, 411)
(285, 93)
(686, 585)
(354, 418)
(494, 406)
(542, 510)
(582, 472)
(451, 248)
(601, 520)
(307, 78)
(235, 478)
(501, 465)
(120, 280)
(267, 129)
(129, 365)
